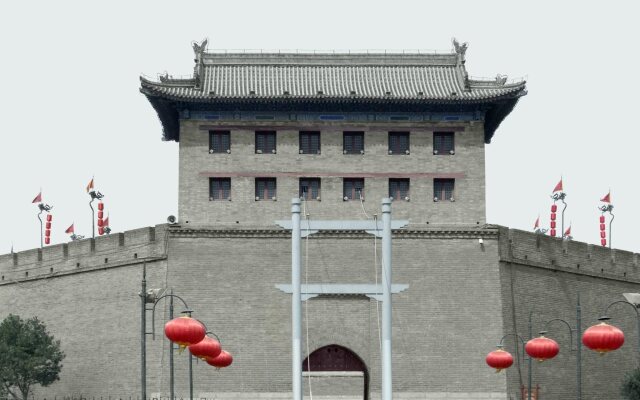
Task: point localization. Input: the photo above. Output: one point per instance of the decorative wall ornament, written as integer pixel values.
(501, 79)
(461, 49)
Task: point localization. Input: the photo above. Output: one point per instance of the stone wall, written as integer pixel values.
(462, 297)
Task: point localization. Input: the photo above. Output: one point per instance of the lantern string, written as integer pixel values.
(306, 283)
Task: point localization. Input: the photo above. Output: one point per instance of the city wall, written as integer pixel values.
(462, 297)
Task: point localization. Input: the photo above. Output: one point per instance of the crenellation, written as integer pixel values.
(109, 250)
(582, 258)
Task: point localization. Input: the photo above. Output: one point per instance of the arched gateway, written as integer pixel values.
(336, 361)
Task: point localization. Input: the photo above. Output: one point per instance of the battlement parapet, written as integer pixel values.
(543, 251)
(106, 251)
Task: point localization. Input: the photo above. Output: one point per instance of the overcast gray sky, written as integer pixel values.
(70, 106)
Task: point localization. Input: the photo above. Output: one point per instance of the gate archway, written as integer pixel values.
(335, 358)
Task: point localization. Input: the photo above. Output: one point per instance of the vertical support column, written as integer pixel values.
(579, 348)
(387, 389)
(296, 301)
(530, 362)
(143, 333)
(171, 377)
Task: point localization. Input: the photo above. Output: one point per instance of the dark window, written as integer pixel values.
(399, 189)
(265, 142)
(265, 188)
(353, 142)
(219, 142)
(310, 188)
(309, 142)
(353, 188)
(398, 142)
(443, 189)
(219, 188)
(443, 143)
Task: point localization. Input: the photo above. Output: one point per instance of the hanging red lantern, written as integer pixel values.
(542, 348)
(603, 338)
(499, 359)
(100, 222)
(47, 225)
(603, 235)
(184, 331)
(100, 214)
(100, 231)
(553, 224)
(603, 242)
(602, 219)
(552, 232)
(206, 348)
(49, 217)
(224, 359)
(603, 227)
(553, 216)
(554, 208)
(100, 206)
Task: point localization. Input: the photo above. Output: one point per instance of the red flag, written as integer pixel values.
(70, 229)
(558, 187)
(38, 198)
(607, 198)
(537, 224)
(568, 231)
(105, 223)
(90, 186)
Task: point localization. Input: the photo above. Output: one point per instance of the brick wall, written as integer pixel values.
(196, 165)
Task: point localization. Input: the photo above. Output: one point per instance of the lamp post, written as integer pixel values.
(635, 306)
(94, 194)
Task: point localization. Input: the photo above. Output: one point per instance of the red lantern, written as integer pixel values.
(553, 224)
(100, 223)
(552, 232)
(602, 219)
(184, 331)
(100, 231)
(48, 225)
(499, 359)
(542, 348)
(553, 216)
(49, 217)
(603, 227)
(100, 206)
(206, 348)
(603, 338)
(603, 242)
(224, 359)
(603, 235)
(47, 240)
(100, 214)
(554, 208)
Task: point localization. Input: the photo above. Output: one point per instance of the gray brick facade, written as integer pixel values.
(462, 298)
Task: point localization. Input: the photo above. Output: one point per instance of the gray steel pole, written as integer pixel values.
(579, 347)
(143, 333)
(93, 219)
(296, 301)
(171, 382)
(190, 375)
(387, 387)
(530, 360)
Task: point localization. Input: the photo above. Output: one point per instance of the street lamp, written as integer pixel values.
(598, 333)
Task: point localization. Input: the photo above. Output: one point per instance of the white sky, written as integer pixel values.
(70, 106)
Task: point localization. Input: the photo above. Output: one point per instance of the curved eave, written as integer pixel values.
(166, 105)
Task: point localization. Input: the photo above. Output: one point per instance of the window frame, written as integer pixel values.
(266, 193)
(407, 191)
(212, 149)
(399, 151)
(440, 189)
(437, 150)
(213, 194)
(266, 135)
(318, 189)
(352, 195)
(310, 135)
(352, 134)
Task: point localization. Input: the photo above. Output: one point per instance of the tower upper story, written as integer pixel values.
(340, 130)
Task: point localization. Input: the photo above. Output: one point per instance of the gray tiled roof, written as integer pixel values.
(427, 77)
